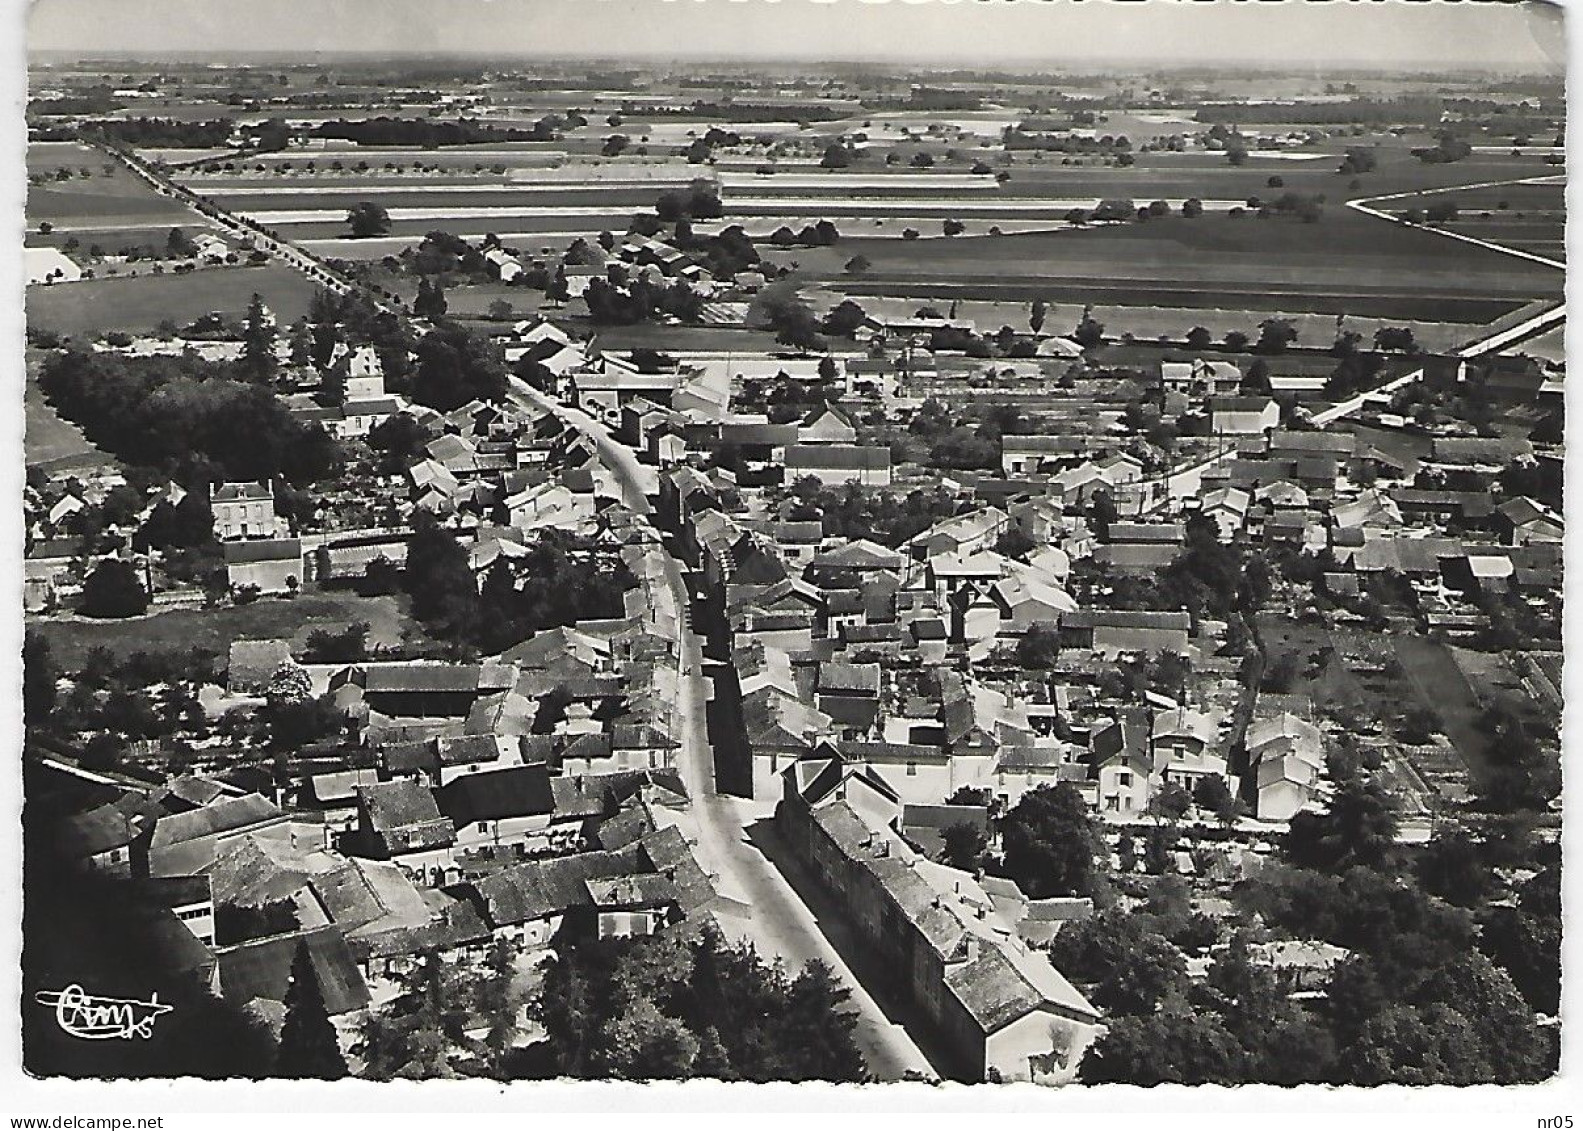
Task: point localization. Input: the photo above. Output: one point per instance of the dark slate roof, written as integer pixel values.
(222, 816)
(541, 888)
(404, 815)
(263, 969)
(493, 795)
(263, 550)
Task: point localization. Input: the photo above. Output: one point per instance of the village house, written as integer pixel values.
(1286, 757)
(1000, 1008)
(245, 510)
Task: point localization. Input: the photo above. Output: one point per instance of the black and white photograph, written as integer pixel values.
(907, 544)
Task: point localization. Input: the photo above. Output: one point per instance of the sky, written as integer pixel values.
(1060, 33)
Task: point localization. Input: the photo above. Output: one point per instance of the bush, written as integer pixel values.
(113, 591)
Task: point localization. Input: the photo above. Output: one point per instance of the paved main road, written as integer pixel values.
(774, 918)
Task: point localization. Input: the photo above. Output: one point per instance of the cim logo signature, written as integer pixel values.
(81, 1014)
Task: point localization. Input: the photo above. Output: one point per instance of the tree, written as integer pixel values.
(1199, 338)
(1173, 1046)
(113, 590)
(1192, 207)
(1101, 513)
(1089, 333)
(1454, 867)
(309, 1048)
(1171, 802)
(1015, 543)
(1036, 312)
(836, 156)
(301, 344)
(289, 683)
(367, 220)
(1359, 828)
(500, 310)
(1051, 844)
(258, 342)
(1256, 381)
(430, 300)
(1235, 341)
(858, 265)
(1275, 334)
(440, 581)
(844, 319)
(1039, 648)
(963, 846)
(1212, 793)
(39, 676)
(1143, 976)
(1159, 850)
(178, 245)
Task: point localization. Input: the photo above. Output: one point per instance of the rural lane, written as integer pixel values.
(777, 921)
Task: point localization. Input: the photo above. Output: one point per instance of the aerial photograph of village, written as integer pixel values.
(843, 558)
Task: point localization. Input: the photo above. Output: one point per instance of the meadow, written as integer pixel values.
(134, 303)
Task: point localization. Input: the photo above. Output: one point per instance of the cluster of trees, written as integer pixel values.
(1406, 109)
(1308, 207)
(191, 419)
(164, 132)
(367, 220)
(347, 646)
(457, 365)
(116, 699)
(1448, 147)
(426, 133)
(427, 1030)
(851, 511)
(560, 581)
(1210, 576)
(961, 443)
(699, 201)
(639, 300)
(1018, 137)
(778, 307)
(444, 254)
(671, 1007)
(1521, 775)
(822, 234)
(1428, 993)
(724, 254)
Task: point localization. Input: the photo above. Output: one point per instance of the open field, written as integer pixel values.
(1343, 264)
(94, 306)
(71, 640)
(108, 196)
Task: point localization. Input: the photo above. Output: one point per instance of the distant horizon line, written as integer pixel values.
(1025, 65)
